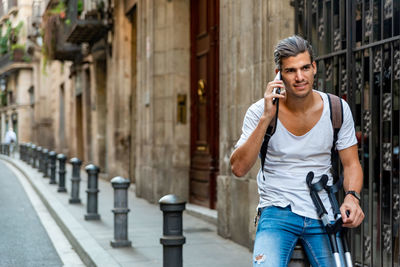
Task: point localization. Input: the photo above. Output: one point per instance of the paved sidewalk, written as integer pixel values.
(91, 239)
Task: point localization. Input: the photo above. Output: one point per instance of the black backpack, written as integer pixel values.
(336, 110)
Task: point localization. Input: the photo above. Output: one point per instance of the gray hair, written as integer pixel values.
(290, 47)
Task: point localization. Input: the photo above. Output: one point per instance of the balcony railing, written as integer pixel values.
(8, 61)
(88, 23)
(55, 40)
(11, 57)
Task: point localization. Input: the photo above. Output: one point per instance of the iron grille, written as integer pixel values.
(358, 48)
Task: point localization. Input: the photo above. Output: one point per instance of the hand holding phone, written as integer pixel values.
(276, 90)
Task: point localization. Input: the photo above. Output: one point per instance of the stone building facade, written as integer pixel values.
(16, 69)
(249, 31)
(163, 73)
(160, 94)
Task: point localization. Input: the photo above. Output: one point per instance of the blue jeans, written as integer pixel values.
(278, 231)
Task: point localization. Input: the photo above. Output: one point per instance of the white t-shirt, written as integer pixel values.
(290, 158)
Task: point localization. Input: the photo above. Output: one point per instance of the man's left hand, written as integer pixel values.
(356, 215)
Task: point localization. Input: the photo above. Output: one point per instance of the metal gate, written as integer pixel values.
(357, 43)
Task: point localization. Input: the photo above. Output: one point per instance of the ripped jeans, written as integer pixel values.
(278, 231)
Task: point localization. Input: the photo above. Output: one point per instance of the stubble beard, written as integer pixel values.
(301, 95)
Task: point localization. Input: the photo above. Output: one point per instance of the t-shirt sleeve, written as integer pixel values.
(347, 134)
(250, 122)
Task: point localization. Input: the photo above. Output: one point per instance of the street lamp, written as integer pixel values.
(14, 117)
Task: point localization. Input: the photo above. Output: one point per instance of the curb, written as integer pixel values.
(202, 213)
(91, 253)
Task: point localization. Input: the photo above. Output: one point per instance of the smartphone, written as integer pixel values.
(276, 90)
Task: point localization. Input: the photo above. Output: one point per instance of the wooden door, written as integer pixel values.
(79, 129)
(204, 102)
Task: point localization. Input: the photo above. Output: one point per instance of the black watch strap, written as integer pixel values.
(355, 194)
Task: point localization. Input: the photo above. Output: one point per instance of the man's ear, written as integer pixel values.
(314, 65)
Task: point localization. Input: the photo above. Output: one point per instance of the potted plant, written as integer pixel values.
(17, 52)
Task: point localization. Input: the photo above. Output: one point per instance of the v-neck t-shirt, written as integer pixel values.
(290, 158)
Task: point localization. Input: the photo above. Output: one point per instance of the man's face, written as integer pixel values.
(298, 74)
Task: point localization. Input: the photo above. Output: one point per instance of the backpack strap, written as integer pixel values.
(336, 111)
(270, 131)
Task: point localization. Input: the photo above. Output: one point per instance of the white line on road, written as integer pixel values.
(64, 249)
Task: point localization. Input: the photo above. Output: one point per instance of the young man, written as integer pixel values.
(301, 143)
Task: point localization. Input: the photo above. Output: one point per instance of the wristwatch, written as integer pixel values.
(355, 194)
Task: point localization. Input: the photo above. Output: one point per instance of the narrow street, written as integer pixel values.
(24, 241)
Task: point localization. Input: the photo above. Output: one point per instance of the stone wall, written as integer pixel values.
(99, 113)
(163, 61)
(119, 91)
(249, 31)
(48, 81)
(24, 81)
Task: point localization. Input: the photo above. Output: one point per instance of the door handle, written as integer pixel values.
(201, 91)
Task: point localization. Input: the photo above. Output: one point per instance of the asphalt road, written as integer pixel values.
(23, 240)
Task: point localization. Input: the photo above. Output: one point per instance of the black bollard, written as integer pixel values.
(21, 151)
(92, 191)
(34, 154)
(75, 180)
(38, 152)
(52, 160)
(61, 172)
(40, 159)
(120, 211)
(30, 155)
(27, 153)
(172, 239)
(45, 163)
